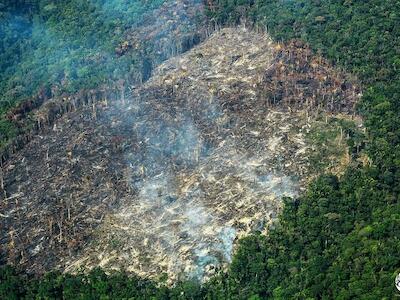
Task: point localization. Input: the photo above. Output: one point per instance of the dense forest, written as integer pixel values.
(339, 240)
(57, 47)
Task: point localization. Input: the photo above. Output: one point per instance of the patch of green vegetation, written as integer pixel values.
(95, 285)
(7, 131)
(64, 46)
(335, 142)
(340, 239)
(326, 140)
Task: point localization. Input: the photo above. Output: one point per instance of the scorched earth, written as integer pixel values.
(167, 178)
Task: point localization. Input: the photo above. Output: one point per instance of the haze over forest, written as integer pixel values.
(187, 149)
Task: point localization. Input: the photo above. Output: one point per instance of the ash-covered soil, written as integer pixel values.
(166, 180)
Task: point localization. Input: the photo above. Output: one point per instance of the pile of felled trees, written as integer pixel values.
(300, 79)
(52, 109)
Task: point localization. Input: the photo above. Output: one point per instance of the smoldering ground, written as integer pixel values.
(165, 179)
(210, 161)
(199, 176)
(190, 193)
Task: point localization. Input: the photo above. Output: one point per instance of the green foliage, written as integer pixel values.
(7, 131)
(361, 35)
(328, 140)
(95, 285)
(66, 45)
(340, 239)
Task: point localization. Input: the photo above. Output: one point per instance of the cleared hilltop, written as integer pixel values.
(164, 179)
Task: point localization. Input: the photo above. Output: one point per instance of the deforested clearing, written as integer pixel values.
(166, 178)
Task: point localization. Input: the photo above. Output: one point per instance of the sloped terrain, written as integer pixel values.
(162, 30)
(165, 180)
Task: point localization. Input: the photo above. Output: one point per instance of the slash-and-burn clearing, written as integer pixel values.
(167, 179)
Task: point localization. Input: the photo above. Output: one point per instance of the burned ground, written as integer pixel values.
(165, 180)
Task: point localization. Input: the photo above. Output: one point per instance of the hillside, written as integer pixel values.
(165, 180)
(52, 49)
(242, 150)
